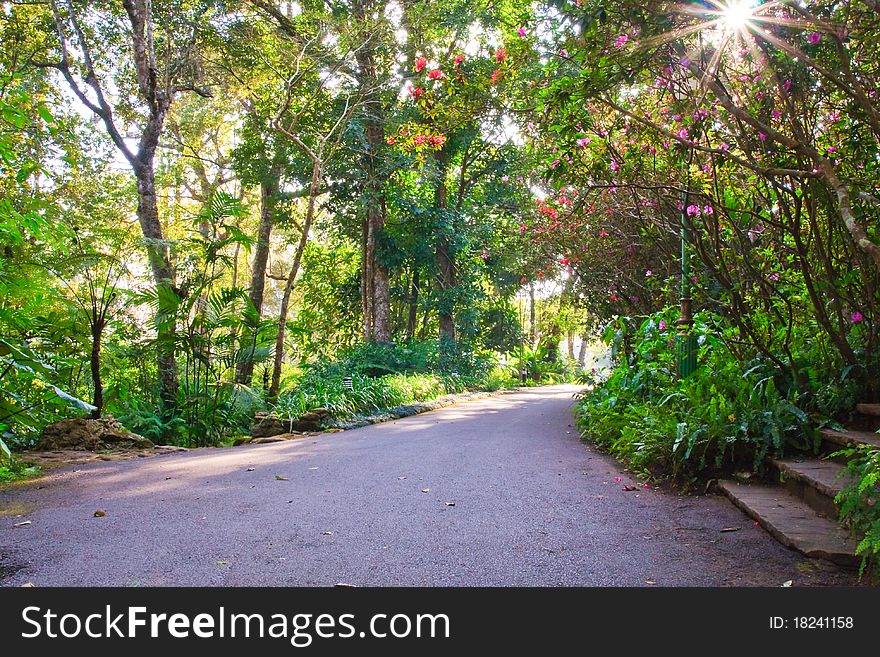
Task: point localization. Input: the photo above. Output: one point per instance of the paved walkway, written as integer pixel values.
(493, 492)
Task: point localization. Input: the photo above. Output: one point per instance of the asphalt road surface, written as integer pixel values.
(494, 492)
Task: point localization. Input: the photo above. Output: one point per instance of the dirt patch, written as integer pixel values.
(48, 459)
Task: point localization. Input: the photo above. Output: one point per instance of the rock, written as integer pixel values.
(305, 425)
(270, 439)
(89, 435)
(268, 426)
(242, 440)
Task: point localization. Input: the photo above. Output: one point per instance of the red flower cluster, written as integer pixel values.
(436, 74)
(500, 55)
(435, 141)
(421, 63)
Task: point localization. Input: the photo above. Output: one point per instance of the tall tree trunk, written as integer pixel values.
(314, 189)
(570, 340)
(444, 256)
(98, 397)
(163, 273)
(377, 304)
(533, 333)
(413, 318)
(582, 351)
(268, 200)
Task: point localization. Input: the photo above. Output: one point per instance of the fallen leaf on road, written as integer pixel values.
(343, 585)
(99, 514)
(326, 533)
(313, 468)
(22, 523)
(167, 478)
(787, 584)
(251, 469)
(450, 504)
(629, 488)
(221, 563)
(650, 581)
(426, 490)
(730, 529)
(280, 478)
(27, 585)
(401, 478)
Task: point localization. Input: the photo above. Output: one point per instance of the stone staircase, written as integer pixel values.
(800, 511)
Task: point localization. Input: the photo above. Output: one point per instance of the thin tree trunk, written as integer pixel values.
(413, 319)
(570, 340)
(98, 397)
(532, 330)
(444, 256)
(268, 200)
(314, 189)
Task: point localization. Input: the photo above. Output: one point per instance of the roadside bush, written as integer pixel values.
(729, 414)
(368, 394)
(859, 502)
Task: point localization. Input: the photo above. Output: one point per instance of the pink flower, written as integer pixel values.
(708, 209)
(521, 32)
(583, 141)
(693, 210)
(421, 63)
(814, 38)
(459, 59)
(646, 485)
(787, 85)
(500, 55)
(621, 41)
(649, 273)
(614, 165)
(618, 479)
(495, 75)
(685, 62)
(662, 325)
(420, 139)
(856, 317)
(774, 276)
(762, 136)
(436, 74)
(683, 133)
(724, 146)
(416, 92)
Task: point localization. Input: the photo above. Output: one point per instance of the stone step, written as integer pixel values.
(842, 439)
(815, 481)
(868, 409)
(792, 522)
